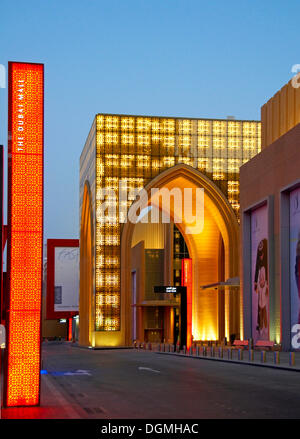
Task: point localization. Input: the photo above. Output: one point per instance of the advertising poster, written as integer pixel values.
(260, 274)
(295, 256)
(66, 286)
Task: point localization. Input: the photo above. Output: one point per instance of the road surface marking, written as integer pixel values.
(149, 368)
(79, 372)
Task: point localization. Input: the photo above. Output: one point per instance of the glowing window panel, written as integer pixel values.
(25, 238)
(169, 125)
(127, 139)
(219, 128)
(185, 126)
(204, 127)
(127, 123)
(111, 122)
(204, 141)
(234, 129)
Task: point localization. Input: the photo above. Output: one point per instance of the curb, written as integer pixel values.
(222, 360)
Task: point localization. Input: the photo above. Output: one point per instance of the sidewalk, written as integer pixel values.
(244, 359)
(53, 405)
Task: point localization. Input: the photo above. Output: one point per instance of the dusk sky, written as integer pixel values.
(189, 58)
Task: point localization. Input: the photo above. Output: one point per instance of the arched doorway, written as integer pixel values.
(86, 270)
(220, 236)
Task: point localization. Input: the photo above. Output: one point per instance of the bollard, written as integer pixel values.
(212, 351)
(240, 354)
(197, 351)
(276, 357)
(184, 350)
(229, 354)
(263, 356)
(292, 359)
(191, 351)
(251, 354)
(220, 352)
(204, 352)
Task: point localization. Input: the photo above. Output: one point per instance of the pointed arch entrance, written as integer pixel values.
(212, 318)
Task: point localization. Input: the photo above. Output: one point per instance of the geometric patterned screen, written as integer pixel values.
(25, 232)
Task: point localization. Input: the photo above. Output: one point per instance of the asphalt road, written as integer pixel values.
(146, 385)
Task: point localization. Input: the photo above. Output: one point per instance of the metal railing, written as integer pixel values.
(223, 353)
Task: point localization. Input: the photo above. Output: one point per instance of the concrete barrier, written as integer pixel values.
(263, 357)
(251, 355)
(276, 357)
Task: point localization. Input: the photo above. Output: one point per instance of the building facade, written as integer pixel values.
(270, 226)
(123, 153)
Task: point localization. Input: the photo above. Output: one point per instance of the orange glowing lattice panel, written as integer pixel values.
(25, 239)
(70, 329)
(186, 280)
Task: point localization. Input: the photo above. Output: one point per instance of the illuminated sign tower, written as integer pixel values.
(25, 232)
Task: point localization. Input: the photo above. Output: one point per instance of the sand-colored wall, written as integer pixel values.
(275, 168)
(280, 114)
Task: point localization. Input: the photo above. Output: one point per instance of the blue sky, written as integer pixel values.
(189, 58)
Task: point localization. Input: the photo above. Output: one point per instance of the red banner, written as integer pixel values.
(186, 281)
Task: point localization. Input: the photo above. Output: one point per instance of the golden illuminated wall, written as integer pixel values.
(132, 150)
(280, 114)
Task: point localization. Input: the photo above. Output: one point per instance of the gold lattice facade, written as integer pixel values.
(130, 151)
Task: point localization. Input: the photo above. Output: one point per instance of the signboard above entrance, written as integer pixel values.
(168, 289)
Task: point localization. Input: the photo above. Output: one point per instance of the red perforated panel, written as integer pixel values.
(25, 228)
